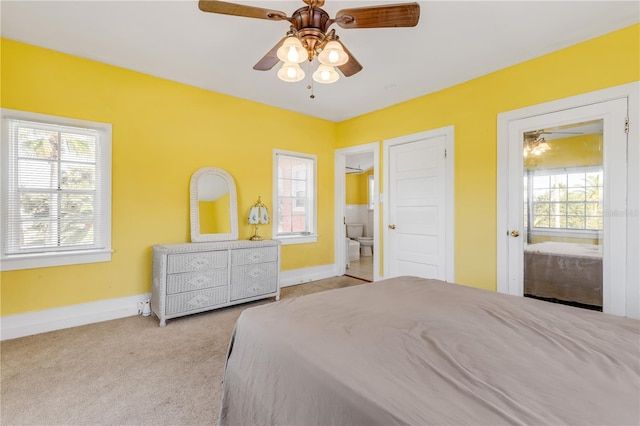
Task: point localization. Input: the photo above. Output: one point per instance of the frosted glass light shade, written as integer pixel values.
(290, 72)
(333, 54)
(292, 51)
(326, 74)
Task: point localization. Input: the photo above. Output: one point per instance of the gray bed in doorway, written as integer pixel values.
(423, 352)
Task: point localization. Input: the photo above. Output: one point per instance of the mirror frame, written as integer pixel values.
(196, 236)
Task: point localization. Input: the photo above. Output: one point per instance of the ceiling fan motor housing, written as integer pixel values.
(311, 25)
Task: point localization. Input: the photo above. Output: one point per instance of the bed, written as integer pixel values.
(415, 351)
(568, 272)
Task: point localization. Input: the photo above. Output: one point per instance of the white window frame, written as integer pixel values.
(566, 232)
(312, 199)
(10, 262)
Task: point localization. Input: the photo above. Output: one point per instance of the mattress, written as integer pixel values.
(415, 351)
(564, 271)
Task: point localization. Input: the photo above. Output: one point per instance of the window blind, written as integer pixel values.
(53, 199)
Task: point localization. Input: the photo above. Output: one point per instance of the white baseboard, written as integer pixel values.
(301, 276)
(20, 325)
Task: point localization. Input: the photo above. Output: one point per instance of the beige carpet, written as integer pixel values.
(127, 371)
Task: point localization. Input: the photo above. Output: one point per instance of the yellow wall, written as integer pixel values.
(357, 188)
(162, 132)
(472, 107)
(214, 216)
(573, 151)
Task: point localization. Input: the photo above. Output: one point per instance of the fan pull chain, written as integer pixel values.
(310, 86)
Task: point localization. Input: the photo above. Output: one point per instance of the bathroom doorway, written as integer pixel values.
(357, 212)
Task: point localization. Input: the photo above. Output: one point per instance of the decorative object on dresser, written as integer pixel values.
(191, 278)
(214, 206)
(258, 215)
(214, 270)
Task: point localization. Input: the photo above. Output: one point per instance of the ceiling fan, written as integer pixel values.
(309, 34)
(536, 144)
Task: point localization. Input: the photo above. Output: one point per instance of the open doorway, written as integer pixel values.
(357, 212)
(359, 202)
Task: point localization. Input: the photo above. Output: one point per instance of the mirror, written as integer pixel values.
(214, 206)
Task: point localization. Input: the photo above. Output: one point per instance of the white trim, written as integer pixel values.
(43, 260)
(340, 202)
(449, 133)
(630, 91)
(20, 325)
(305, 275)
(102, 253)
(27, 324)
(297, 239)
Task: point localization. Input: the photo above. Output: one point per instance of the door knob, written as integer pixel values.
(392, 227)
(515, 233)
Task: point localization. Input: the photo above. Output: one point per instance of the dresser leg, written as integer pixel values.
(163, 323)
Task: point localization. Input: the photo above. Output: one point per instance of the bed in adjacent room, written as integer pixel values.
(567, 272)
(415, 351)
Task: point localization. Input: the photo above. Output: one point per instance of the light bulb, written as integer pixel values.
(292, 55)
(290, 72)
(292, 51)
(333, 54)
(326, 74)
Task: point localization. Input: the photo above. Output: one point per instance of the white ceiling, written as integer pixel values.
(454, 41)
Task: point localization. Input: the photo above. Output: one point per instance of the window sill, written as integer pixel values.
(45, 260)
(297, 239)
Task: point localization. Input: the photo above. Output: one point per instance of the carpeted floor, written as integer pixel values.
(127, 371)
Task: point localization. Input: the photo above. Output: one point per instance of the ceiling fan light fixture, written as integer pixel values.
(290, 72)
(326, 74)
(292, 51)
(333, 54)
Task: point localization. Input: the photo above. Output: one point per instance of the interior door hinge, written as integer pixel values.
(445, 153)
(626, 125)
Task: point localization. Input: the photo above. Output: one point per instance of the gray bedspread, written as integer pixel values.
(422, 352)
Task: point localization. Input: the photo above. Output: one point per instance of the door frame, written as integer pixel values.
(448, 133)
(340, 203)
(630, 91)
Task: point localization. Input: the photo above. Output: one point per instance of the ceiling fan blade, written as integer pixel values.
(269, 60)
(352, 66)
(215, 6)
(390, 15)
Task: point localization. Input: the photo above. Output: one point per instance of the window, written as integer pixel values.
(56, 191)
(295, 197)
(567, 199)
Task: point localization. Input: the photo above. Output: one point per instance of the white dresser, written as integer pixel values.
(196, 277)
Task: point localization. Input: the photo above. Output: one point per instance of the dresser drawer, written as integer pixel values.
(250, 289)
(195, 300)
(253, 273)
(254, 255)
(189, 281)
(188, 262)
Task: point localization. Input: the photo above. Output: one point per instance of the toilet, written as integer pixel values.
(365, 244)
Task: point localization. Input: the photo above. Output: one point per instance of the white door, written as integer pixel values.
(567, 179)
(416, 225)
